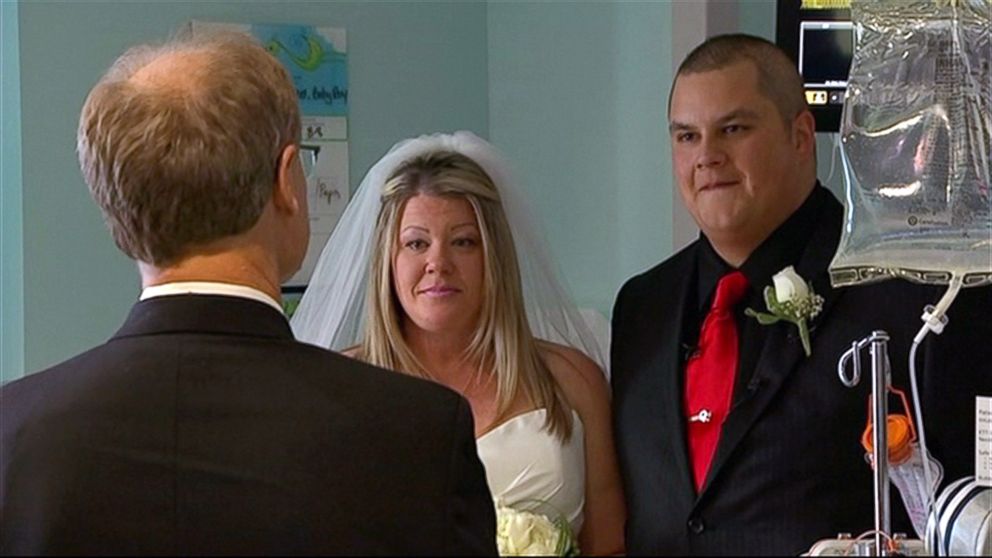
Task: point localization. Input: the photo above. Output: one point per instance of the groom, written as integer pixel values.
(202, 426)
(731, 439)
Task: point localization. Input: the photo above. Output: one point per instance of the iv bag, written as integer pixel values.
(915, 134)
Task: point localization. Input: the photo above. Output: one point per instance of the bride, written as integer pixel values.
(423, 275)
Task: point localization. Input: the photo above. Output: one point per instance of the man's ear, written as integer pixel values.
(284, 195)
(804, 133)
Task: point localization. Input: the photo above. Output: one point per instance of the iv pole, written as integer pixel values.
(881, 380)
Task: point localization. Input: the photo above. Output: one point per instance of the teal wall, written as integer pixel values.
(757, 17)
(414, 68)
(11, 239)
(573, 92)
(577, 101)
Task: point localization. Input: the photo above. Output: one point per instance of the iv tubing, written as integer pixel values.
(932, 321)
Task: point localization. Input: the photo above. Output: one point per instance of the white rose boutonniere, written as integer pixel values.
(530, 533)
(790, 298)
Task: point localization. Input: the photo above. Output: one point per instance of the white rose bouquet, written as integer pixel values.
(522, 532)
(791, 299)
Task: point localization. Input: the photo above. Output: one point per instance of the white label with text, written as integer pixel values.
(983, 441)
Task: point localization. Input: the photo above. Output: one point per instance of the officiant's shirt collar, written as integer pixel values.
(209, 288)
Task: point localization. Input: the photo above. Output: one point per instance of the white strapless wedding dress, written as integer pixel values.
(524, 462)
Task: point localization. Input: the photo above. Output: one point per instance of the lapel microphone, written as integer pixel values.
(754, 384)
(688, 352)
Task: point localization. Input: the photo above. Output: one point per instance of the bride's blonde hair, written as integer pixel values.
(502, 342)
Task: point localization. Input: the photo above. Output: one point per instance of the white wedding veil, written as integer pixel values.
(331, 313)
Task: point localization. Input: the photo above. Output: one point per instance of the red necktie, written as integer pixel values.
(710, 375)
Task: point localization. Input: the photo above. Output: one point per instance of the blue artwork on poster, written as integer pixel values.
(318, 66)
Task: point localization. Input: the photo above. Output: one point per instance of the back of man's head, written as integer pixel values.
(778, 78)
(179, 144)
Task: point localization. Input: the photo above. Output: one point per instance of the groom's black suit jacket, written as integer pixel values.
(203, 427)
(789, 468)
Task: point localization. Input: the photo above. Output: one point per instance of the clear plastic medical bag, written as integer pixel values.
(915, 134)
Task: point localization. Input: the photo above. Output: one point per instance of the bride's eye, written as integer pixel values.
(415, 244)
(465, 242)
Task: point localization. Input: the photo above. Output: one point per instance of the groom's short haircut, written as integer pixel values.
(179, 143)
(778, 77)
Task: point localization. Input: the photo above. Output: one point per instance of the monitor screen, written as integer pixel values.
(819, 37)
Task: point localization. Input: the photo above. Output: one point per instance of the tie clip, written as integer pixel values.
(702, 416)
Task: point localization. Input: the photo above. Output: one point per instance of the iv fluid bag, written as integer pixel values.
(916, 144)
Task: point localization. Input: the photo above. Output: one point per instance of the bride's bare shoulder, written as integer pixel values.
(353, 352)
(580, 378)
(561, 358)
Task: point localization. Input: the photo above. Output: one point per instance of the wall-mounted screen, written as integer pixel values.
(819, 37)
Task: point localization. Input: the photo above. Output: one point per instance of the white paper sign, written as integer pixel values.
(983, 441)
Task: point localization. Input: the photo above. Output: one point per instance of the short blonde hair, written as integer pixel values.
(188, 158)
(502, 341)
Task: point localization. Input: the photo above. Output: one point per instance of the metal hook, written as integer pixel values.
(853, 356)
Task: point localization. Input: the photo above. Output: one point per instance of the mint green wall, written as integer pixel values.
(11, 240)
(576, 102)
(573, 92)
(757, 17)
(414, 67)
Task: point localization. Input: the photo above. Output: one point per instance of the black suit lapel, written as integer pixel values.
(782, 352)
(669, 368)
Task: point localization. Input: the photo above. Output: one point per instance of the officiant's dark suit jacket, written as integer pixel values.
(789, 468)
(203, 427)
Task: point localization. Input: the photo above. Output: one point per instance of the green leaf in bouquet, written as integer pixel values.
(804, 336)
(773, 305)
(762, 317)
